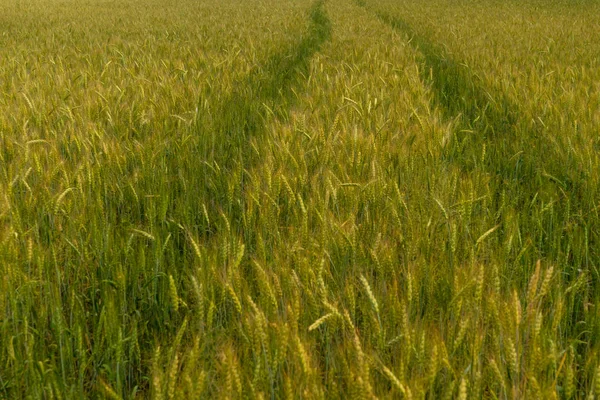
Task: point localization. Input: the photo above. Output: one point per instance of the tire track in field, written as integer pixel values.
(242, 114)
(517, 152)
(520, 161)
(482, 118)
(233, 140)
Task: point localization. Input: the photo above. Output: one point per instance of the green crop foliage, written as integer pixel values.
(300, 199)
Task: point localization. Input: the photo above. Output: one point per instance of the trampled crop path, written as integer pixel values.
(241, 116)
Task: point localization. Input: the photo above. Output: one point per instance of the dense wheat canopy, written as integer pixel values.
(300, 199)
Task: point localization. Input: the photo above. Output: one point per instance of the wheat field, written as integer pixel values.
(299, 199)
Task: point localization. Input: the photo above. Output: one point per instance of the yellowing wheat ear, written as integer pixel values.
(60, 198)
(173, 296)
(370, 294)
(157, 375)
